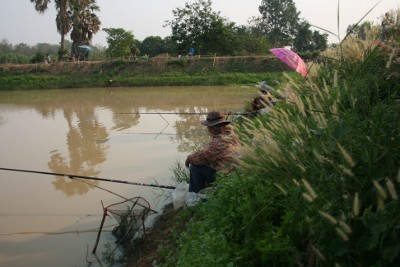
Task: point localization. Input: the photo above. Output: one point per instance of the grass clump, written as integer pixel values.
(319, 180)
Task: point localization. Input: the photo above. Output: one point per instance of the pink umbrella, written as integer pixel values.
(291, 59)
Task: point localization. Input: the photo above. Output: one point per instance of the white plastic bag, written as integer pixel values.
(192, 199)
(179, 195)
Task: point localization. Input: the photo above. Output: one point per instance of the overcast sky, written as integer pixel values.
(20, 23)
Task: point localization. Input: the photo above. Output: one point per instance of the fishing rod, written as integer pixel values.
(181, 113)
(71, 176)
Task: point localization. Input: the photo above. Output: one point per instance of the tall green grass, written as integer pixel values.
(319, 180)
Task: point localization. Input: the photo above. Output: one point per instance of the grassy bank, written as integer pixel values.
(319, 181)
(161, 71)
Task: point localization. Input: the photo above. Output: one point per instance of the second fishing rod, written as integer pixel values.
(72, 176)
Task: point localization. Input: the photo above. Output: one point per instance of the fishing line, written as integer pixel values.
(181, 113)
(78, 232)
(111, 192)
(71, 176)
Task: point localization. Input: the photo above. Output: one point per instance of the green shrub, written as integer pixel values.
(38, 58)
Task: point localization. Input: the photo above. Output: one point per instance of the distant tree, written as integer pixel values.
(46, 48)
(38, 57)
(250, 44)
(5, 47)
(303, 40)
(320, 41)
(119, 42)
(359, 30)
(23, 49)
(308, 40)
(279, 21)
(197, 25)
(62, 19)
(219, 39)
(14, 58)
(152, 46)
(170, 45)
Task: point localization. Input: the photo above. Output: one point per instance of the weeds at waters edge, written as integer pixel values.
(319, 179)
(128, 233)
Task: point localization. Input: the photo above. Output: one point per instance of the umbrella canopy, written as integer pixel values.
(86, 47)
(291, 59)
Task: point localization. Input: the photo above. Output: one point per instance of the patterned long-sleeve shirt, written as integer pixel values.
(221, 153)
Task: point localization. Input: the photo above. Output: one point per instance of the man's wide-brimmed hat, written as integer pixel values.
(215, 118)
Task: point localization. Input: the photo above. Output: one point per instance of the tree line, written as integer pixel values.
(194, 26)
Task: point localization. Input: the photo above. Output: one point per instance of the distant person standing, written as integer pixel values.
(47, 59)
(191, 51)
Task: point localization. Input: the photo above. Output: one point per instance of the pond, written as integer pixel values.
(130, 134)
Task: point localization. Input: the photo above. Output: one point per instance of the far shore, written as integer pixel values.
(153, 72)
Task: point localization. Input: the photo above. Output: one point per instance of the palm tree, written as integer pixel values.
(41, 5)
(64, 19)
(85, 23)
(64, 23)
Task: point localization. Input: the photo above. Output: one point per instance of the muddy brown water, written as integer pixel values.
(49, 221)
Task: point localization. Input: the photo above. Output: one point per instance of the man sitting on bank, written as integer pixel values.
(219, 155)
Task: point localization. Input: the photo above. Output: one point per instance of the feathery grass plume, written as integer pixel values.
(328, 160)
(309, 189)
(337, 265)
(334, 110)
(310, 106)
(346, 228)
(281, 189)
(302, 168)
(323, 119)
(274, 162)
(392, 55)
(391, 189)
(381, 192)
(398, 176)
(328, 217)
(246, 119)
(341, 234)
(300, 105)
(296, 182)
(318, 156)
(342, 216)
(381, 203)
(349, 94)
(292, 156)
(318, 100)
(319, 254)
(335, 78)
(274, 126)
(308, 197)
(356, 205)
(346, 155)
(346, 170)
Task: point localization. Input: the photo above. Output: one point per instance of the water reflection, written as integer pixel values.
(87, 137)
(85, 152)
(83, 132)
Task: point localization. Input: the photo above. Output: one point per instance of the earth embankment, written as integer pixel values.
(158, 71)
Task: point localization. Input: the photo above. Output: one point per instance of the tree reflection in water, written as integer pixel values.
(88, 134)
(85, 151)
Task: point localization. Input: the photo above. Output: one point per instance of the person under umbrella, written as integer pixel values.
(219, 155)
